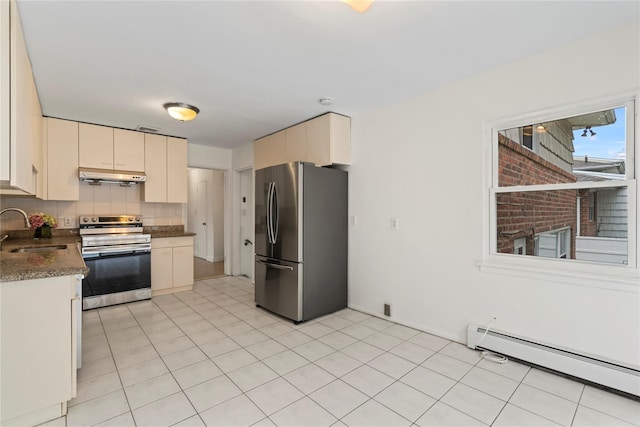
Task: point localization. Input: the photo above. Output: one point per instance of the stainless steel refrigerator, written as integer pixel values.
(301, 240)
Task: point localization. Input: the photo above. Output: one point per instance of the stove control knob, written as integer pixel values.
(137, 219)
(94, 219)
(130, 219)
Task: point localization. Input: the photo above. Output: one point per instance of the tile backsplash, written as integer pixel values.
(105, 199)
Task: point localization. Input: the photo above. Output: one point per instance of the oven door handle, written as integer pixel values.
(120, 250)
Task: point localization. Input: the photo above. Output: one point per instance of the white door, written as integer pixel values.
(201, 226)
(246, 223)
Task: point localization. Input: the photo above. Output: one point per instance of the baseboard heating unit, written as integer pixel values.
(596, 371)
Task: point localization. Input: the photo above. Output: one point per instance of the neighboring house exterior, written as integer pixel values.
(603, 228)
(603, 211)
(590, 224)
(541, 222)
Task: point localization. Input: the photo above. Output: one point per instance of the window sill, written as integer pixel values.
(609, 277)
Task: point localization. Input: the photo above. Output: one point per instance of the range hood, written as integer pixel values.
(98, 176)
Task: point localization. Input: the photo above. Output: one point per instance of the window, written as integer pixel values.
(563, 183)
(527, 137)
(520, 246)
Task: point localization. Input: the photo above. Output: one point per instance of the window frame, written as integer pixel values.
(579, 272)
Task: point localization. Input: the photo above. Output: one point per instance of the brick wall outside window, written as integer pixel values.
(524, 214)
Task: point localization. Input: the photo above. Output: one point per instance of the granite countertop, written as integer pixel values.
(160, 234)
(159, 231)
(40, 264)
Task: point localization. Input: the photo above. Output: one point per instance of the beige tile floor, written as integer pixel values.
(211, 358)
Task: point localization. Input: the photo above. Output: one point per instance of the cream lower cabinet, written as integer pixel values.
(38, 349)
(171, 265)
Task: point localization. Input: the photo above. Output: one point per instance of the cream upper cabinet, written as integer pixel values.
(296, 143)
(329, 140)
(20, 112)
(60, 160)
(103, 147)
(177, 173)
(323, 140)
(96, 146)
(270, 150)
(128, 150)
(165, 165)
(155, 167)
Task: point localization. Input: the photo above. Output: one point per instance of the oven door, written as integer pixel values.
(116, 278)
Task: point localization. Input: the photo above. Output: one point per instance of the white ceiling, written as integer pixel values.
(255, 67)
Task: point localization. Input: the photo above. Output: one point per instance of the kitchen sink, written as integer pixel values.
(40, 248)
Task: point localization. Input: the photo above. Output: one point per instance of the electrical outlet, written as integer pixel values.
(394, 223)
(67, 222)
(387, 309)
(354, 220)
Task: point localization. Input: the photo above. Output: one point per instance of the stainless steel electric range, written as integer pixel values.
(118, 255)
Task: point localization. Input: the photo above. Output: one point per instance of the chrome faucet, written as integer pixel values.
(24, 214)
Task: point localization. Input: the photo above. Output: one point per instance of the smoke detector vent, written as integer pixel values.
(147, 129)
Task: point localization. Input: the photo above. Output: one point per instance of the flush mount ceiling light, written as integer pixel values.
(325, 101)
(360, 6)
(181, 111)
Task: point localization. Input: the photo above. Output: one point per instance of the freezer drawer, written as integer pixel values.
(279, 287)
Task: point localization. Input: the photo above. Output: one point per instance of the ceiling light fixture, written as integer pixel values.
(181, 111)
(325, 101)
(360, 6)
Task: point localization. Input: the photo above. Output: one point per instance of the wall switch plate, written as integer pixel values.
(354, 220)
(387, 309)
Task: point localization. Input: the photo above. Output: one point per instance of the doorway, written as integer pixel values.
(205, 217)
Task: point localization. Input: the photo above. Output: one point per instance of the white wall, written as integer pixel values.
(242, 159)
(215, 209)
(422, 162)
(200, 156)
(217, 205)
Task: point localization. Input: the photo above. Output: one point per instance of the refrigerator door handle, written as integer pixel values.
(276, 266)
(269, 218)
(274, 215)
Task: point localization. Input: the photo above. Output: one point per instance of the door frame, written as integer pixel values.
(236, 241)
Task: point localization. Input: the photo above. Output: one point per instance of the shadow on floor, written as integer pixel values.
(203, 269)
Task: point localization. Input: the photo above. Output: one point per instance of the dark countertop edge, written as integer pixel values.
(164, 234)
(30, 274)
